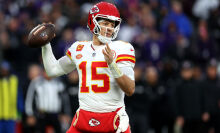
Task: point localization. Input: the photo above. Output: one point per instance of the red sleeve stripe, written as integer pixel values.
(125, 55)
(133, 61)
(131, 58)
(68, 53)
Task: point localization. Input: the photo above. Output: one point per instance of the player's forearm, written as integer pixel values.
(51, 64)
(126, 84)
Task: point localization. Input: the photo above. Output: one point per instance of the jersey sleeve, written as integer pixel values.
(126, 55)
(70, 51)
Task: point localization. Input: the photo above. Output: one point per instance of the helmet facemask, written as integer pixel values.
(97, 28)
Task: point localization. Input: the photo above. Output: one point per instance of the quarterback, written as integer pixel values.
(105, 69)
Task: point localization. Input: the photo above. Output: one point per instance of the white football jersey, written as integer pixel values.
(98, 90)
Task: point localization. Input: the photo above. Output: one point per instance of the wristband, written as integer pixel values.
(115, 70)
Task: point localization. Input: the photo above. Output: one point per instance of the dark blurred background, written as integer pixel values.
(177, 65)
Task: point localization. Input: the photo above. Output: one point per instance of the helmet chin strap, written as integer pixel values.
(104, 39)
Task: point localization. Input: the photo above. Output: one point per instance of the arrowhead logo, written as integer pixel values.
(93, 122)
(94, 9)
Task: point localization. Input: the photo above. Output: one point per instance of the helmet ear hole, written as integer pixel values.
(90, 21)
(97, 30)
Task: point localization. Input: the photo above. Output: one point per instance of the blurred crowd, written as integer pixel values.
(177, 64)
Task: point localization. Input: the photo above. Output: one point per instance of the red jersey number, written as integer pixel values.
(95, 76)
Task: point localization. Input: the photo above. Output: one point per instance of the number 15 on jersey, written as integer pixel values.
(94, 77)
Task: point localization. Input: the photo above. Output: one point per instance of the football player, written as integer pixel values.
(105, 69)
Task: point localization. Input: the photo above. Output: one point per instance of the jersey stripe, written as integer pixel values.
(125, 60)
(131, 58)
(125, 57)
(68, 53)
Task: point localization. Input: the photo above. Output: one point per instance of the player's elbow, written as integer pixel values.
(131, 90)
(51, 73)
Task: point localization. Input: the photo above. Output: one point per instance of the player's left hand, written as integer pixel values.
(108, 54)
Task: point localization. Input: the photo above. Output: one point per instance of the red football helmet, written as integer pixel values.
(106, 11)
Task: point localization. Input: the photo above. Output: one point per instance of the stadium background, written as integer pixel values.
(168, 36)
